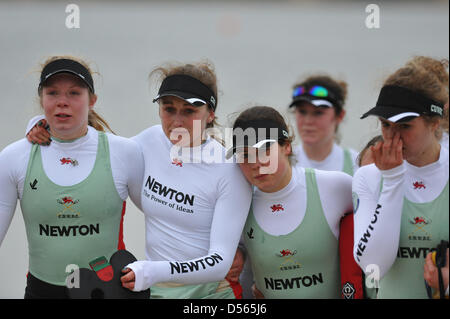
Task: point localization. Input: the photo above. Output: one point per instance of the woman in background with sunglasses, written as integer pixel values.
(318, 104)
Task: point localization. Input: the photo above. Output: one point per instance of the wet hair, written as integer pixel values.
(372, 142)
(429, 77)
(94, 119)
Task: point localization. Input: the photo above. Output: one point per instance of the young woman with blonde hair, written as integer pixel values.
(195, 206)
(402, 199)
(72, 193)
(195, 203)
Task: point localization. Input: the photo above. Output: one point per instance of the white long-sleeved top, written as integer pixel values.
(333, 162)
(195, 205)
(335, 194)
(187, 244)
(378, 214)
(127, 166)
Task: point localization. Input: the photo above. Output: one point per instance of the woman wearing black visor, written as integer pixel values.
(402, 200)
(195, 203)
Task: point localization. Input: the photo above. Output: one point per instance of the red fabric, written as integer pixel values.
(106, 274)
(237, 288)
(352, 279)
(121, 244)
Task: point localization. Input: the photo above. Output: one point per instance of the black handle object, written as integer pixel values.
(103, 280)
(429, 291)
(441, 256)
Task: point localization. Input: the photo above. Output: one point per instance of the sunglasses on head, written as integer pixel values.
(315, 90)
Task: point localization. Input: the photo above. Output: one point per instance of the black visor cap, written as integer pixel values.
(400, 104)
(249, 133)
(67, 66)
(187, 88)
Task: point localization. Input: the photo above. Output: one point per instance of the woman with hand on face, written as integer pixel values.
(292, 231)
(318, 104)
(403, 202)
(365, 157)
(72, 193)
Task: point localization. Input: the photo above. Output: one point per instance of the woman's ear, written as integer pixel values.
(287, 149)
(92, 101)
(435, 124)
(340, 117)
(211, 117)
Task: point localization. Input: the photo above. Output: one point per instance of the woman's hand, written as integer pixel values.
(39, 134)
(388, 154)
(236, 267)
(129, 279)
(430, 273)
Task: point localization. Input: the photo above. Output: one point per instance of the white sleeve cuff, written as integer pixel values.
(140, 269)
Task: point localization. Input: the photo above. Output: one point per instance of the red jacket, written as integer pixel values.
(352, 277)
